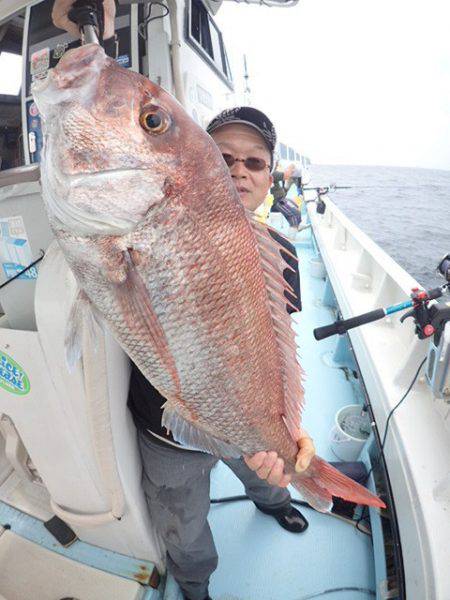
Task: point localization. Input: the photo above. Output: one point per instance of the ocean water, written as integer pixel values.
(405, 211)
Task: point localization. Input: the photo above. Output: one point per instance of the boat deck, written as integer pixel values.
(257, 559)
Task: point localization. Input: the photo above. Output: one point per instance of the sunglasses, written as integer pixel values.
(252, 163)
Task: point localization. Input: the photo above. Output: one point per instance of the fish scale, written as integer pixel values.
(189, 284)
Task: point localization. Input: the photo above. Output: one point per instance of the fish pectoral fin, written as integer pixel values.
(191, 436)
(137, 309)
(82, 314)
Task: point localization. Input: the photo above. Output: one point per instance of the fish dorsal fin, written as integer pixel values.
(273, 266)
(193, 437)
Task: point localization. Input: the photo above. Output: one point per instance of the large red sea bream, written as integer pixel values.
(145, 211)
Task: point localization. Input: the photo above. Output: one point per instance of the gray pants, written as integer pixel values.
(176, 485)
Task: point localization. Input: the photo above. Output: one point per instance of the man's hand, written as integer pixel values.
(60, 17)
(270, 467)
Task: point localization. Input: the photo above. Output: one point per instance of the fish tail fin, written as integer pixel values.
(320, 482)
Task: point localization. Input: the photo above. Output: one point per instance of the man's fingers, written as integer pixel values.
(285, 481)
(60, 17)
(255, 461)
(276, 473)
(305, 454)
(267, 465)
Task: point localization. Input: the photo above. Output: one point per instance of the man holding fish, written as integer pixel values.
(230, 386)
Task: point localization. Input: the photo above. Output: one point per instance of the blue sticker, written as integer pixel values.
(123, 60)
(13, 378)
(11, 270)
(15, 251)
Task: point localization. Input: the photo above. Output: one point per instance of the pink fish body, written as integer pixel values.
(149, 220)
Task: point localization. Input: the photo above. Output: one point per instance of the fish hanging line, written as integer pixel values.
(142, 27)
(24, 270)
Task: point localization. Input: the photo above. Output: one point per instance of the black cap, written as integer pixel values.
(247, 115)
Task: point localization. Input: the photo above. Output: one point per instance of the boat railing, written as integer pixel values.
(364, 277)
(18, 175)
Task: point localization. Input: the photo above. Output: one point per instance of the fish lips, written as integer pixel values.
(79, 65)
(74, 78)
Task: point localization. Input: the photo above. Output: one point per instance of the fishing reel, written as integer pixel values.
(318, 200)
(443, 267)
(430, 320)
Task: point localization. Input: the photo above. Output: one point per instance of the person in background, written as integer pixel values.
(176, 479)
(282, 182)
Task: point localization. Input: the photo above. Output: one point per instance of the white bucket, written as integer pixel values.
(348, 447)
(317, 268)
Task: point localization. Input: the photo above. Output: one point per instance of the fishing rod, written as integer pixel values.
(89, 15)
(329, 188)
(333, 187)
(429, 319)
(318, 200)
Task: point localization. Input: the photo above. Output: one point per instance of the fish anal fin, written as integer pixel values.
(82, 314)
(192, 437)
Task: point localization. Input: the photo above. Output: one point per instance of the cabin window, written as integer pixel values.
(205, 37)
(11, 68)
(200, 27)
(11, 147)
(283, 151)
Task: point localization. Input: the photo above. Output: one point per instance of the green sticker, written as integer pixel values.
(12, 377)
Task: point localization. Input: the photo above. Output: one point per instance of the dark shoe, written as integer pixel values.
(288, 517)
(356, 471)
(343, 508)
(207, 598)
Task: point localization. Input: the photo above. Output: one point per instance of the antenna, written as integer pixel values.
(247, 92)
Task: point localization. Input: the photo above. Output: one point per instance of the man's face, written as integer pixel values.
(242, 141)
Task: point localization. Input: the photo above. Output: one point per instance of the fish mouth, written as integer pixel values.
(115, 218)
(77, 59)
(76, 177)
(78, 67)
(40, 85)
(74, 213)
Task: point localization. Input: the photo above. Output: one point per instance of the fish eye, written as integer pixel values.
(154, 120)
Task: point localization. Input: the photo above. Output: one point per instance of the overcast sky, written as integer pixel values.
(350, 81)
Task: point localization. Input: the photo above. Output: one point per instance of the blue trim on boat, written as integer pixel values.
(33, 530)
(377, 529)
(329, 299)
